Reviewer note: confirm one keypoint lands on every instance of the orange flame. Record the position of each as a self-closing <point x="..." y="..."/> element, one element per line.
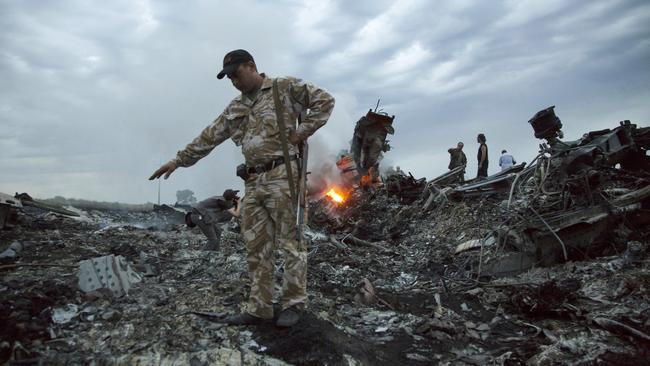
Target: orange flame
<point x="365" y="181"/>
<point x="335" y="196"/>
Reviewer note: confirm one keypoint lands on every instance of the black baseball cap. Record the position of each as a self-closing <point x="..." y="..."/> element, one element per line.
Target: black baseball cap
<point x="232" y="60"/>
<point x="230" y="194"/>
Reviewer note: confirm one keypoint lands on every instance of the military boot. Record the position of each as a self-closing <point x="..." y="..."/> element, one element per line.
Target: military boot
<point x="242" y="319"/>
<point x="289" y="317"/>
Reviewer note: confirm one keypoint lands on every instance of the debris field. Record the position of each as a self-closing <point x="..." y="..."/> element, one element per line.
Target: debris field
<point x="544" y="264"/>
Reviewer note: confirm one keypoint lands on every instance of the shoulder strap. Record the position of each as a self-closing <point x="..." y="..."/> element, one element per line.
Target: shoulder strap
<point x="279" y="116"/>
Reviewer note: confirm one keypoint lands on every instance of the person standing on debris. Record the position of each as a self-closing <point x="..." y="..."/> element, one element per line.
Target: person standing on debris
<point x="368" y="144"/>
<point x="210" y="213"/>
<point x="457" y="158"/>
<point x="252" y="120"/>
<point x="506" y="161"/>
<point x="482" y="157"/>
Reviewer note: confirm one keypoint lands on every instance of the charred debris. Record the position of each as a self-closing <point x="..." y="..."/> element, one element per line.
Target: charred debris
<point x="545" y="263"/>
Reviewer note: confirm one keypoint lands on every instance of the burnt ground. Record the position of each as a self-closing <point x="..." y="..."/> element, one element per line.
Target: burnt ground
<point x="429" y="304"/>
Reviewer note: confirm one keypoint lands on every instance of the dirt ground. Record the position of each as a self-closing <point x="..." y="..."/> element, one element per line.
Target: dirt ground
<point x="400" y="296"/>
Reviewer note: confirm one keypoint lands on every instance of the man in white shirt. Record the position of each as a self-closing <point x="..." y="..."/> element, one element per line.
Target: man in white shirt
<point x="506" y="160"/>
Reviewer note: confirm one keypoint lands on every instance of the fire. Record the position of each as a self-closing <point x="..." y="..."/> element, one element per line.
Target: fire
<point x="365" y="181"/>
<point x="335" y="196"/>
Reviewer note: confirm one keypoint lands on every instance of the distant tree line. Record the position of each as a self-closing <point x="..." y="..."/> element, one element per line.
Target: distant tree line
<point x="96" y="205"/>
<point x="185" y="197"/>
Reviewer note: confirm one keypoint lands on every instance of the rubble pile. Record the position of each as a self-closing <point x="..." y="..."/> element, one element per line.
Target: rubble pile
<point x="395" y="276"/>
<point x="405" y="187"/>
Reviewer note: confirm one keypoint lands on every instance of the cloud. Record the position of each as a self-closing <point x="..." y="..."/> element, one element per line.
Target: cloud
<point x="147" y="22"/>
<point x="96" y="96"/>
<point x="381" y="31"/>
<point x="376" y="34"/>
<point x="520" y="12"/>
<point x="405" y="60"/>
<point x="310" y="23"/>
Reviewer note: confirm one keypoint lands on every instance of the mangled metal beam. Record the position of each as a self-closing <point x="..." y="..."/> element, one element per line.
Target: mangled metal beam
<point x="497" y="183"/>
<point x="27" y="200"/>
<point x="448" y="178"/>
<point x="11" y="205"/>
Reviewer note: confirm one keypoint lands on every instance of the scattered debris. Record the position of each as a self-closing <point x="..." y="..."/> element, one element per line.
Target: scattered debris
<point x="405" y="187"/>
<point x="12" y="251"/>
<point x="542" y="264"/>
<point x="474" y="244"/>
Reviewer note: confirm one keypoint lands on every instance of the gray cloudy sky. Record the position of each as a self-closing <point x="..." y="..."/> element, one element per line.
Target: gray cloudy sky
<point x="96" y="94"/>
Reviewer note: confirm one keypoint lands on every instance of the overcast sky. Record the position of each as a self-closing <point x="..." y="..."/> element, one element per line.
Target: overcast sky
<point x="95" y="95"/>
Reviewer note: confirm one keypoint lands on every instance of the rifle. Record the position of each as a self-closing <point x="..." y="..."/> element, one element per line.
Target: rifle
<point x="300" y="200"/>
<point x="301" y="208"/>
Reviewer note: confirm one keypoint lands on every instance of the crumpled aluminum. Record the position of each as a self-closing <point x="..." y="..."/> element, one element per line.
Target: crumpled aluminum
<point x="111" y="272"/>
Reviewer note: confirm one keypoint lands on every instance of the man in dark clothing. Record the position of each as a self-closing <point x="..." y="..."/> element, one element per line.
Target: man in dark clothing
<point x="210" y="213"/>
<point x="457" y="158"/>
<point x="482" y="157"/>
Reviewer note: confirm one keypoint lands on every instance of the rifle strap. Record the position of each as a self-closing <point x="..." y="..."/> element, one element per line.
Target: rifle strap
<point x="279" y="116"/>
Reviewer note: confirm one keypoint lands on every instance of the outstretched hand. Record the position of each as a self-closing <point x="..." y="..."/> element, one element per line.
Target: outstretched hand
<point x="167" y="169"/>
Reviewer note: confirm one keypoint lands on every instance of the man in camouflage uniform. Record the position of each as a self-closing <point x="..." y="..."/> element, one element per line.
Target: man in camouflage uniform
<point x="268" y="212"/>
<point x="369" y="141"/>
<point x="457" y="158"/>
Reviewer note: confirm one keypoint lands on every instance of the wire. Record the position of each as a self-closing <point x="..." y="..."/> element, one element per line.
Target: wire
<point x="566" y="256"/>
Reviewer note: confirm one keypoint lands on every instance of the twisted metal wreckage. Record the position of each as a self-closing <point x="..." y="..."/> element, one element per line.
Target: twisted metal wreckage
<point x="568" y="202"/>
<point x="11" y="205"/>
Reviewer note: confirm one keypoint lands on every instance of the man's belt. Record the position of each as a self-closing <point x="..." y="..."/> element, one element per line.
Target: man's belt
<point x="265" y="167"/>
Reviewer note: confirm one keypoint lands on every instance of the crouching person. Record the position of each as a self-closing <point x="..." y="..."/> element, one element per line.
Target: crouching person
<point x="210" y="213"/>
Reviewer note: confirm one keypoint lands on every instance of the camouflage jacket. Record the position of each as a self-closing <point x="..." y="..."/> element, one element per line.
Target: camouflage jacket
<point x="458" y="158"/>
<point x="252" y="124"/>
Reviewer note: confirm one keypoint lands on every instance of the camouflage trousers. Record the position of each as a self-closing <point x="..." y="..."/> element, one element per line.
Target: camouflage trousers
<point x="370" y="152"/>
<point x="268" y="224"/>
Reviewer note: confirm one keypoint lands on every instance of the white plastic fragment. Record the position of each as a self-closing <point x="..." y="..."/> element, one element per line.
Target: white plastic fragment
<point x="109" y="272"/>
<point x="65" y="314"/>
<point x="12" y="251"/>
<point x="474" y="244"/>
